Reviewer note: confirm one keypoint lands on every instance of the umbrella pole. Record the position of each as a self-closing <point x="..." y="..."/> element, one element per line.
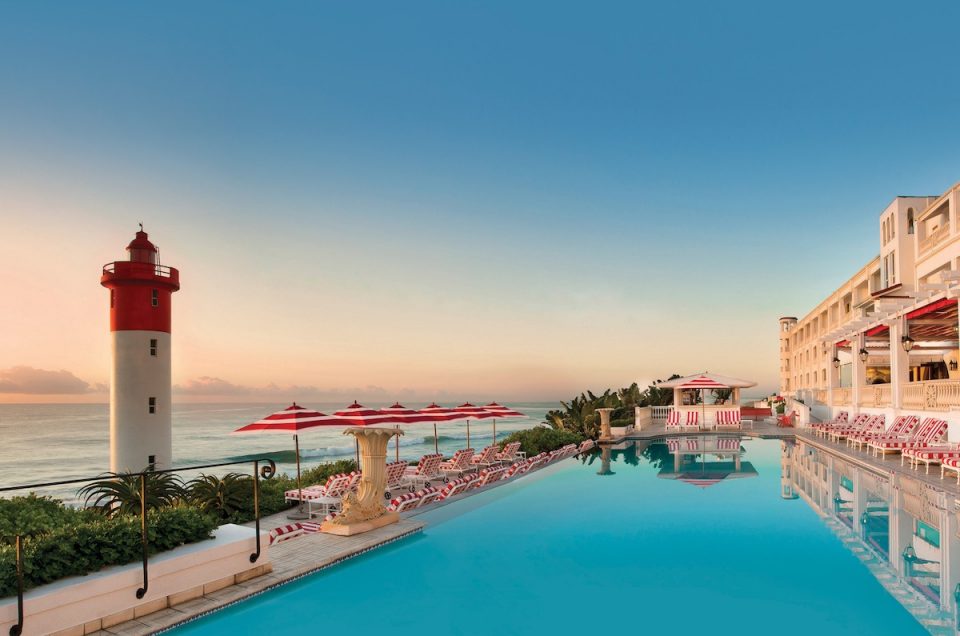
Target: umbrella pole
<point x="398" y="441"/>
<point x="356" y="444"/>
<point x="468" y="433"/>
<point x="436" y="442"/>
<point x="296" y="445"/>
<point x="494" y="431"/>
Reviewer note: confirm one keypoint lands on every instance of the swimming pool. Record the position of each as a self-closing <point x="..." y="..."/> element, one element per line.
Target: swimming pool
<point x="568" y="551"/>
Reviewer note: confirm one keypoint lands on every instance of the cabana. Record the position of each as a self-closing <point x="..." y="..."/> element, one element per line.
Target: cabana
<point x="690" y="399"/>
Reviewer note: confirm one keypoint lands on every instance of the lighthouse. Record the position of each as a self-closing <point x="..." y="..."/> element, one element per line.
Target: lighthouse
<point x="141" y="290"/>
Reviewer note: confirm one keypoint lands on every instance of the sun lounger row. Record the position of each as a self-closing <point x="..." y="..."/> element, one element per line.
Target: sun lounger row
<point x="690" y="420"/>
<point x="479" y="479"/>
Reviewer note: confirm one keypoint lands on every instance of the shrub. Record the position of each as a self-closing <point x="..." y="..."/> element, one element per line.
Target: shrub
<point x="223" y="496"/>
<point x="33" y="515"/>
<point x="100" y="542"/>
<point x="534" y="441"/>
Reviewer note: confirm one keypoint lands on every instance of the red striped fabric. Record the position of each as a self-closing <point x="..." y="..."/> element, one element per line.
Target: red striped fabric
<point x="290" y="420"/>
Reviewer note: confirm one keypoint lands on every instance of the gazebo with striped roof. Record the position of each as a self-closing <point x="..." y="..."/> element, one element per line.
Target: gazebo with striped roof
<point x="685" y="391"/>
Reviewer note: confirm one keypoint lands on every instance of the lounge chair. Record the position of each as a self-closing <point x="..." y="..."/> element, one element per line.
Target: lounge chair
<point x="394" y="477"/>
<point x="459" y="463"/>
<point x="950" y="463"/>
<point x="457" y="486"/>
<point x="692" y="421"/>
<point x="509" y="453"/>
<point x="673" y="421"/>
<point x="420" y="475"/>
<point x="333" y="491"/>
<point x="585" y="445"/>
<point x="842" y="418"/>
<point x="824" y="427"/>
<point x="930" y="455"/>
<point x="487" y="457"/>
<point x="728" y="419"/>
<point x="335" y="486"/>
<point x="411" y="500"/>
<point x="928" y="434"/>
<point x="902" y="425"/>
<point x="490" y="475"/>
<point x="875" y="424"/>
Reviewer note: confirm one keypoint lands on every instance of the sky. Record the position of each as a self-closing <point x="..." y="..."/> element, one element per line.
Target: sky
<point x="469" y="200"/>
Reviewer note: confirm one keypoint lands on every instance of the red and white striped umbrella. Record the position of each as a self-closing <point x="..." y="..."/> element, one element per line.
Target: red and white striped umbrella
<point x="292" y="419"/>
<point x="471" y="411"/>
<point x="439" y="414"/>
<point x="408" y="416"/>
<point x="358" y="415"/>
<point x="501" y="412"/>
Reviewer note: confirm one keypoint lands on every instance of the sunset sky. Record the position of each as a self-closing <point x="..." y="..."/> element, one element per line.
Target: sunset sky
<point x="436" y="200"/>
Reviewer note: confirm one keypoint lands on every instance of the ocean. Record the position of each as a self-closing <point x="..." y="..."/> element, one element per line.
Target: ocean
<point x="52" y="442"/>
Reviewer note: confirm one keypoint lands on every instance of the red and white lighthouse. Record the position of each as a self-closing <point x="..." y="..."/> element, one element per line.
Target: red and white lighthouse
<point x="141" y="291"/>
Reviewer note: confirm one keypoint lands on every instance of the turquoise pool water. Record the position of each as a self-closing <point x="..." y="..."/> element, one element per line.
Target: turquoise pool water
<point x="570" y="551"/>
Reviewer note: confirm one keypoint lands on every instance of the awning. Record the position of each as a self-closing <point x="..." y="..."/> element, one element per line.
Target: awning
<point x="707" y="381"/>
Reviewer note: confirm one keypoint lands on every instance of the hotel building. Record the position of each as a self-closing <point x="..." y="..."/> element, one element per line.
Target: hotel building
<point x="887" y="339"/>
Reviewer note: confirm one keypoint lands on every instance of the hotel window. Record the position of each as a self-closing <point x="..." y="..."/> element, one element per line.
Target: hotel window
<point x="155" y="298"/>
<point x="909" y="220"/>
<point x="153" y="346"/>
<point x="152" y="405"/>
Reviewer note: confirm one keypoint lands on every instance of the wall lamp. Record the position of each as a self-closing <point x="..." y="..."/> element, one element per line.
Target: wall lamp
<point x="863" y="355"/>
<point x="836" y="362"/>
<point x="907" y="343"/>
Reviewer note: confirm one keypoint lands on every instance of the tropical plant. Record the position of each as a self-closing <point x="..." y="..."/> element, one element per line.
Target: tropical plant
<point x="721" y="396"/>
<point x="222" y="496"/>
<point x="580" y="416"/>
<point x="120" y="494"/>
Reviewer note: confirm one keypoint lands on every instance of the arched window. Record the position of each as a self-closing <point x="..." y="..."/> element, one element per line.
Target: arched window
<point x="909" y="220"/>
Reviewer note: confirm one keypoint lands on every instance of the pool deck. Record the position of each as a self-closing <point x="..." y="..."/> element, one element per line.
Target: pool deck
<point x="290" y="559"/>
<point x="888" y="466"/>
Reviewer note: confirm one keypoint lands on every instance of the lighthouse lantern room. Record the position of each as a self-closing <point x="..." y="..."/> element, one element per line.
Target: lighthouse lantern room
<point x="140" y="421"/>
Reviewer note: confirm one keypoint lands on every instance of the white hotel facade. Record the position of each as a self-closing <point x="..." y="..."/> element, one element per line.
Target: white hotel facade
<point x="886" y="341"/>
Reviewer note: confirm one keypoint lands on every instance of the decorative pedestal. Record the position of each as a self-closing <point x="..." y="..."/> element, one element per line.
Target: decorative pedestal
<point x="364" y="511"/>
<point x="605" y="434"/>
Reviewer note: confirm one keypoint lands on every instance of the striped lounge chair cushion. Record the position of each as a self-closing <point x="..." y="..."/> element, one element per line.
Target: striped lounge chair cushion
<point x="932" y="453"/>
<point x="283" y="533"/>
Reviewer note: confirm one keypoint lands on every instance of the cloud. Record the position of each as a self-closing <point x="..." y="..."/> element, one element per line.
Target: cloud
<point x="206" y="385"/>
<point x="211" y="386"/>
<point x="28" y="380"/>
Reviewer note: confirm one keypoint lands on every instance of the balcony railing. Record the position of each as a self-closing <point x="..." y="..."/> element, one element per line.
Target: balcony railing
<point x="932" y="395"/>
<point x="842" y="396"/>
<point x="164" y="271"/>
<point x="820" y="395"/>
<point x="877" y="395"/>
<point x="934" y="238"/>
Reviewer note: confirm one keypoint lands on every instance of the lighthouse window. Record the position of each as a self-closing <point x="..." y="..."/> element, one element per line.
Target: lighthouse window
<point x="153" y="346"/>
<point x="155" y="299"/>
<point x="152" y="405"/>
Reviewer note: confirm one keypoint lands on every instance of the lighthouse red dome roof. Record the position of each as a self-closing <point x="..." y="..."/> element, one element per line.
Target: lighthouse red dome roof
<point x="141" y="242"/>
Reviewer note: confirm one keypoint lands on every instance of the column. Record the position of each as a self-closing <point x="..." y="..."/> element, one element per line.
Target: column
<point x="899" y="364"/>
<point x="859" y="374"/>
<point x="833" y="373"/>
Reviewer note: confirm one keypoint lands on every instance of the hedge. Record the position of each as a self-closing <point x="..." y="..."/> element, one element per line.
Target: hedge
<point x="99" y="542"/>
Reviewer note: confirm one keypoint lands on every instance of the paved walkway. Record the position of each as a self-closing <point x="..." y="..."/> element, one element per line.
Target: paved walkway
<point x="290" y="559"/>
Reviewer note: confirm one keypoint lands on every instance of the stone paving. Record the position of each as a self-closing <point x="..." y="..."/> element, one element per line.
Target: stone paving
<point x="290" y="560"/>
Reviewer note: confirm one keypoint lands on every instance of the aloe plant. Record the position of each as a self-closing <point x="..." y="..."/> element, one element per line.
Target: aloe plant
<point x="120" y="494"/>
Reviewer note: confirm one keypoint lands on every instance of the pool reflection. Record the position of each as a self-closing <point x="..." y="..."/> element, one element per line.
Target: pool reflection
<point x="903" y="529"/>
